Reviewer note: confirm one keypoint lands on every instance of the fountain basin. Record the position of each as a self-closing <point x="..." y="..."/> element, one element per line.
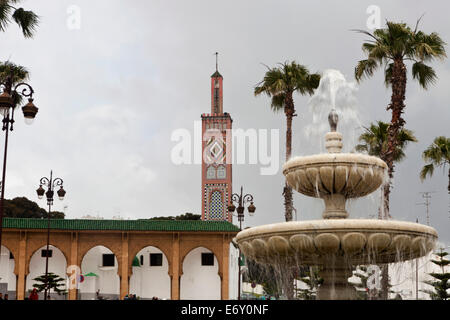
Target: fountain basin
<point x="335" y="177"/>
<point x="358" y="241"/>
<point x="352" y="175"/>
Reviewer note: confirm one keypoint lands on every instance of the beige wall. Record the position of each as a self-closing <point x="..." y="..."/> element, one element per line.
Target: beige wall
<point x="125" y="245"/>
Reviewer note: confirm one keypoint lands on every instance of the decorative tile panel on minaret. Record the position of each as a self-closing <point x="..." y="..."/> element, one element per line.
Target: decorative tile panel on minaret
<point x="216" y="156"/>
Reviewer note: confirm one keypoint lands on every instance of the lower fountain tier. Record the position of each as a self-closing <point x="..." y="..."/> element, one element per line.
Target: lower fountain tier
<point x="315" y="242"/>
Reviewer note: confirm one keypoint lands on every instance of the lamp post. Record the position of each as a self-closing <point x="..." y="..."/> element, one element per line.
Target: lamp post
<point x="241" y="200"/>
<point x="50" y="184"/>
<point x="8" y="103"/>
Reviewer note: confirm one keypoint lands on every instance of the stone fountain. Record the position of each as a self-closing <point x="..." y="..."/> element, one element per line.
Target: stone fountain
<point x="335" y="243"/>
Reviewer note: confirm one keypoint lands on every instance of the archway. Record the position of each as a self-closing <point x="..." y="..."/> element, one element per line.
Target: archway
<point x="7" y="276"/>
<point x="57" y="264"/>
<point x="200" y="279"/>
<point x="150" y="276"/>
<point x="99" y="268"/>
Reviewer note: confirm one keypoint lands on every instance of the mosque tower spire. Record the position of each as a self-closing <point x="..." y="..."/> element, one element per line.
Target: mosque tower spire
<point x="216" y="151"/>
<point x="216" y="90"/>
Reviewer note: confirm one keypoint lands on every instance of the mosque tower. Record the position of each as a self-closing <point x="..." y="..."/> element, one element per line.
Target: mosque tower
<point x="216" y="155"/>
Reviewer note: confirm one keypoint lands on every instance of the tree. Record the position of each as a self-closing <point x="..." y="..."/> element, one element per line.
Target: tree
<point x="391" y="47"/>
<point x="438" y="155"/>
<point x="18" y="74"/>
<point x="21" y="207"/>
<point x="279" y="84"/>
<point x="374" y="141"/>
<point x="54" y="282"/>
<point x="362" y="289"/>
<point x="309" y="276"/>
<point x="26" y="20"/>
<point x="186" y="216"/>
<point x="441" y="284"/>
<point x="262" y="274"/>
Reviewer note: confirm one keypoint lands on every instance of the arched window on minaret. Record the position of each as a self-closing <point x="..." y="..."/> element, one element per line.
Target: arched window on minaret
<point x="216" y="96"/>
<point x="221" y="172"/>
<point x="211" y="172"/>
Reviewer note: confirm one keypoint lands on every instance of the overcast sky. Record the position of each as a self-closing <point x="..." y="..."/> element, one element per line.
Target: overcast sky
<point x="111" y="93"/>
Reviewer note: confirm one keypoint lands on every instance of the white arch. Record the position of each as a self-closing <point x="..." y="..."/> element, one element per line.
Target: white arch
<point x="106" y="282"/>
<point x="57" y="264"/>
<point x="7" y="276"/>
<point x="199" y="282"/>
<point x="148" y="281"/>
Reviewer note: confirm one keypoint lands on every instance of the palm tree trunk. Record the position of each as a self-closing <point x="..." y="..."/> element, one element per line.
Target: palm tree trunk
<point x="384" y="282"/>
<point x="289" y="111"/>
<point x="397" y="105"/>
<point x="288" y="284"/>
<point x="386" y="194"/>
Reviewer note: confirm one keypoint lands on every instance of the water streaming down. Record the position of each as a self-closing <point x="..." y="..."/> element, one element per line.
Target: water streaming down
<point x="335" y="244"/>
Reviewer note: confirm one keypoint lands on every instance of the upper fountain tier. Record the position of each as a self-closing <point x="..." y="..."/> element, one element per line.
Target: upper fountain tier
<point x="335" y="176"/>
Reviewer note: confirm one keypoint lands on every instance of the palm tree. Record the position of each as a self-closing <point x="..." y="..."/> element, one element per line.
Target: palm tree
<point x="374" y="141"/>
<point x="17" y="73"/>
<point x="438" y="155"/>
<point x="26" y="20"/>
<point x="390" y="48"/>
<point x="279" y="84"/>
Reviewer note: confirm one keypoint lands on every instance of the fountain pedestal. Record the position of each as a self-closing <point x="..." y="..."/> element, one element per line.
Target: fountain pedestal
<point x="335" y="284"/>
<point x="334" y="206"/>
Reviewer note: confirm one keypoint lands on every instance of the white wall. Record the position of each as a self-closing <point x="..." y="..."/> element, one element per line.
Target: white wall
<point x="7" y="270"/>
<point x="247" y="288"/>
<point x="57" y="264"/>
<point x="108" y="281"/>
<point x="403" y="276"/>
<point x="199" y="282"/>
<point x="150" y="281"/>
<point x="233" y="272"/>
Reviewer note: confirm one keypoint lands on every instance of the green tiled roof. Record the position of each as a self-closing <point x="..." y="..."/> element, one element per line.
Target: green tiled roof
<point x="122" y="225"/>
<point x="216" y="75"/>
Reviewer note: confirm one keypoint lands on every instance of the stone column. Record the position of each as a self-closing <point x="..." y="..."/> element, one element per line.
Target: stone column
<point x="225" y="268"/>
<point x="124" y="276"/>
<point x="22" y="266"/>
<point x="73" y="262"/>
<point x="175" y="274"/>
<point x="335" y="284"/>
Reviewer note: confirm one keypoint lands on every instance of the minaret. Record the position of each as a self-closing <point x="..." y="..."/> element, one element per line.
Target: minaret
<point x="216" y="150"/>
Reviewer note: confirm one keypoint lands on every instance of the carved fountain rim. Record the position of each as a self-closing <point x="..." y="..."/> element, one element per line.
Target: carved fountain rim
<point x="337" y="226"/>
<point x="332" y="160"/>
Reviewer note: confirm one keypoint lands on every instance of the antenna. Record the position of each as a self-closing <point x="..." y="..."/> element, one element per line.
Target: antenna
<point x="217" y="60"/>
<point x="427" y="196"/>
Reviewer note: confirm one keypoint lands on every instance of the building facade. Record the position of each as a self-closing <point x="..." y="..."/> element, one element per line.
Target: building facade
<point x="149" y="258"/>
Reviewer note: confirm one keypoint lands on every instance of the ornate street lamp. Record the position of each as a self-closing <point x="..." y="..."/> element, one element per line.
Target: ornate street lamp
<point x="50" y="184"/>
<point x="7" y="108"/>
<point x="241" y="200"/>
